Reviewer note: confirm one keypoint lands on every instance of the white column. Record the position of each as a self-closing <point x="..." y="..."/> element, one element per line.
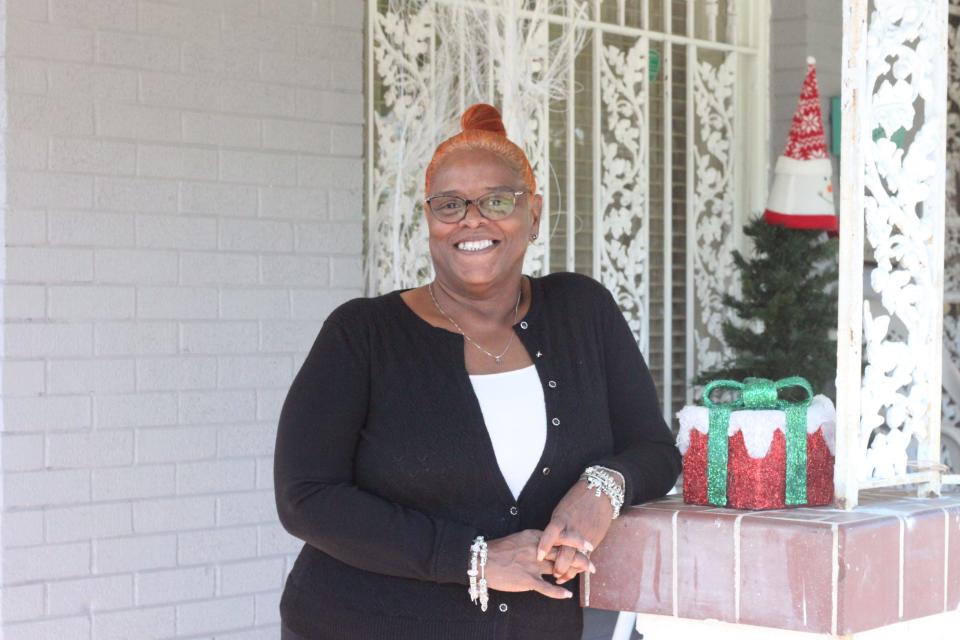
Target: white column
<point x="850" y="312"/>
<point x="892" y="193"/>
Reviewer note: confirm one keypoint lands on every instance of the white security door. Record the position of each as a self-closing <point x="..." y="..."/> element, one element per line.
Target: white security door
<point x="645" y="122"/>
<point x="950" y="446"/>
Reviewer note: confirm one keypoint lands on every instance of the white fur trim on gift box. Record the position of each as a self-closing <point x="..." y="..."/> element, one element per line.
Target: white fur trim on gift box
<point x="758" y="425"/>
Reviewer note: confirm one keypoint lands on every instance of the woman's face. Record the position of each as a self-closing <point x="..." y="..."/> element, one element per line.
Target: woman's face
<point x="471" y="174"/>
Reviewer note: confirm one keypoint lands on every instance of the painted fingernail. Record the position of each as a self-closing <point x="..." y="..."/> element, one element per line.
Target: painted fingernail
<point x="540" y="555"/>
<point x="593" y="568"/>
<point x="567" y="594"/>
<point x="588" y="546"/>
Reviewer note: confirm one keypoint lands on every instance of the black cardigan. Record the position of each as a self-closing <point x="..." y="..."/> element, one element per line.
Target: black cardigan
<point x="383" y="465"/>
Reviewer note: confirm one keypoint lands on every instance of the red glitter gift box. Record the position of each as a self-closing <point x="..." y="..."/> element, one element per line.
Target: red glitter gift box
<point x="756" y="468"/>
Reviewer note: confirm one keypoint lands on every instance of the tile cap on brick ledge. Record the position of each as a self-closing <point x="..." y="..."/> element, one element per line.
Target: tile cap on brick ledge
<point x="895" y="557"/>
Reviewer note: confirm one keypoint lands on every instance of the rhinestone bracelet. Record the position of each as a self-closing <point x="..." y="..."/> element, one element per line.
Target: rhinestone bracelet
<point x="478" y="565"/>
<point x="602" y="479"/>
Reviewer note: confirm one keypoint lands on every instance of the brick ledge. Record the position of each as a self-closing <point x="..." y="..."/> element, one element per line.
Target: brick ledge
<point x="821" y="570"/>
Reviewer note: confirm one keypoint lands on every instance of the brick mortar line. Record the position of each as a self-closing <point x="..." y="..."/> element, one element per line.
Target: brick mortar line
<point x="180" y="74"/>
<point x="262" y="148"/>
<point x="946" y="555"/>
<point x="53" y="173"/>
<point x="736" y="568"/>
<point x="675" y="563"/>
<point x="834" y="577"/>
<point x="266" y="149"/>
<point x="901" y="521"/>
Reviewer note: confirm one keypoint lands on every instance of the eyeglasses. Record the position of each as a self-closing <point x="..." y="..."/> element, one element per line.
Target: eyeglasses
<point x="496" y="205"/>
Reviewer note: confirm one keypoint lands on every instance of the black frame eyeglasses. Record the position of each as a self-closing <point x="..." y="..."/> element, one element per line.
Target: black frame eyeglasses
<point x="495" y="205"/>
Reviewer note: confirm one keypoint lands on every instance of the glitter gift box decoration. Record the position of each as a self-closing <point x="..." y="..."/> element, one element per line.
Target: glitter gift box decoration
<point x="758" y="451"/>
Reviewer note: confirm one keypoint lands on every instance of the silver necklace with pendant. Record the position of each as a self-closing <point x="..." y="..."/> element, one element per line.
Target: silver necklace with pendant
<point x="497" y="358"/>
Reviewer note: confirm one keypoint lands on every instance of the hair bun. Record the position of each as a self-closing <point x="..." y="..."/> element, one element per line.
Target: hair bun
<point x="484" y="117"/>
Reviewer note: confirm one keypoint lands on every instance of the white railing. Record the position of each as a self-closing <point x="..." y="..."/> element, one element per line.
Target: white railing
<point x="894" y="77"/>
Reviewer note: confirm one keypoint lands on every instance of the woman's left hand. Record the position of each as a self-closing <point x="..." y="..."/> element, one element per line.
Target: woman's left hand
<point x="581" y="514"/>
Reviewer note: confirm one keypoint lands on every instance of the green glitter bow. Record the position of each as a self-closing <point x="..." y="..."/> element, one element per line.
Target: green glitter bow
<point x="757" y="393"/>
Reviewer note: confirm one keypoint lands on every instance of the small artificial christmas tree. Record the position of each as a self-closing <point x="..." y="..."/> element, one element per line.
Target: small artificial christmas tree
<point x="789" y="303"/>
<point x="788" y="308"/>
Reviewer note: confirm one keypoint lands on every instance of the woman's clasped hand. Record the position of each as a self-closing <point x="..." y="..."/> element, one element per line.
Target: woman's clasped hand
<point x="513" y="563"/>
<point x="580" y="517"/>
<point x="578" y="525"/>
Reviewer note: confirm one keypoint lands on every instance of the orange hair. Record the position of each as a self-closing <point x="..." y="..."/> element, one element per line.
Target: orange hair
<point x="482" y="128"/>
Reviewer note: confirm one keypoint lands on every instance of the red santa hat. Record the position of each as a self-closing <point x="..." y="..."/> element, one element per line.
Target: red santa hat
<point x="802" y="193"/>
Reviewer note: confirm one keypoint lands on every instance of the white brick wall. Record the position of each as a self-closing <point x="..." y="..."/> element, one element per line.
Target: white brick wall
<point x="183" y="208"/>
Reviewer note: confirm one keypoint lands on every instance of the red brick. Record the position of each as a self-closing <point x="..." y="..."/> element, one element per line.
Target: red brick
<point x="923" y="564"/>
<point x="786" y="574"/>
<point x="705" y="564"/>
<point x="868" y="588"/>
<point x="953" y="559"/>
<point x="637" y="573"/>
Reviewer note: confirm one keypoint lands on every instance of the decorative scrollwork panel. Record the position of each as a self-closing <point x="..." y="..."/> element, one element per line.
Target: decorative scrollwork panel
<point x="950" y="404"/>
<point x="713" y="94"/>
<point x="402" y="42"/>
<point x="623" y="242"/>
<point x="431" y="58"/>
<point x="526" y="65"/>
<point x="903" y="175"/>
<point x="951" y="276"/>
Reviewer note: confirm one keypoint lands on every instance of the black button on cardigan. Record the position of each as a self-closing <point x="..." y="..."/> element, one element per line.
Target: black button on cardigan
<point x="384" y="468"/>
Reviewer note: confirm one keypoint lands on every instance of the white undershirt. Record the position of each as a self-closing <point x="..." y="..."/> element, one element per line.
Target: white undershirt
<point x="516" y="418"/>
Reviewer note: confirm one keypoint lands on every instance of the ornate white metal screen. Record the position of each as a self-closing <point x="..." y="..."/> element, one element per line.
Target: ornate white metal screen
<point x="950" y="447"/>
<point x="894" y="78"/>
<point x="711" y="216"/>
<point x="952" y="243"/>
<point x="630" y="113"/>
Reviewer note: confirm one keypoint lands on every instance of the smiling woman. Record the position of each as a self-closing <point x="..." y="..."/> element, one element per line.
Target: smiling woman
<point x="470" y="440"/>
<point x="483" y="209"/>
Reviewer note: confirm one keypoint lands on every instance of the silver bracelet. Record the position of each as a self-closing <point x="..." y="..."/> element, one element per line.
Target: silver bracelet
<point x="602" y="480"/>
<point x="478" y="565"/>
